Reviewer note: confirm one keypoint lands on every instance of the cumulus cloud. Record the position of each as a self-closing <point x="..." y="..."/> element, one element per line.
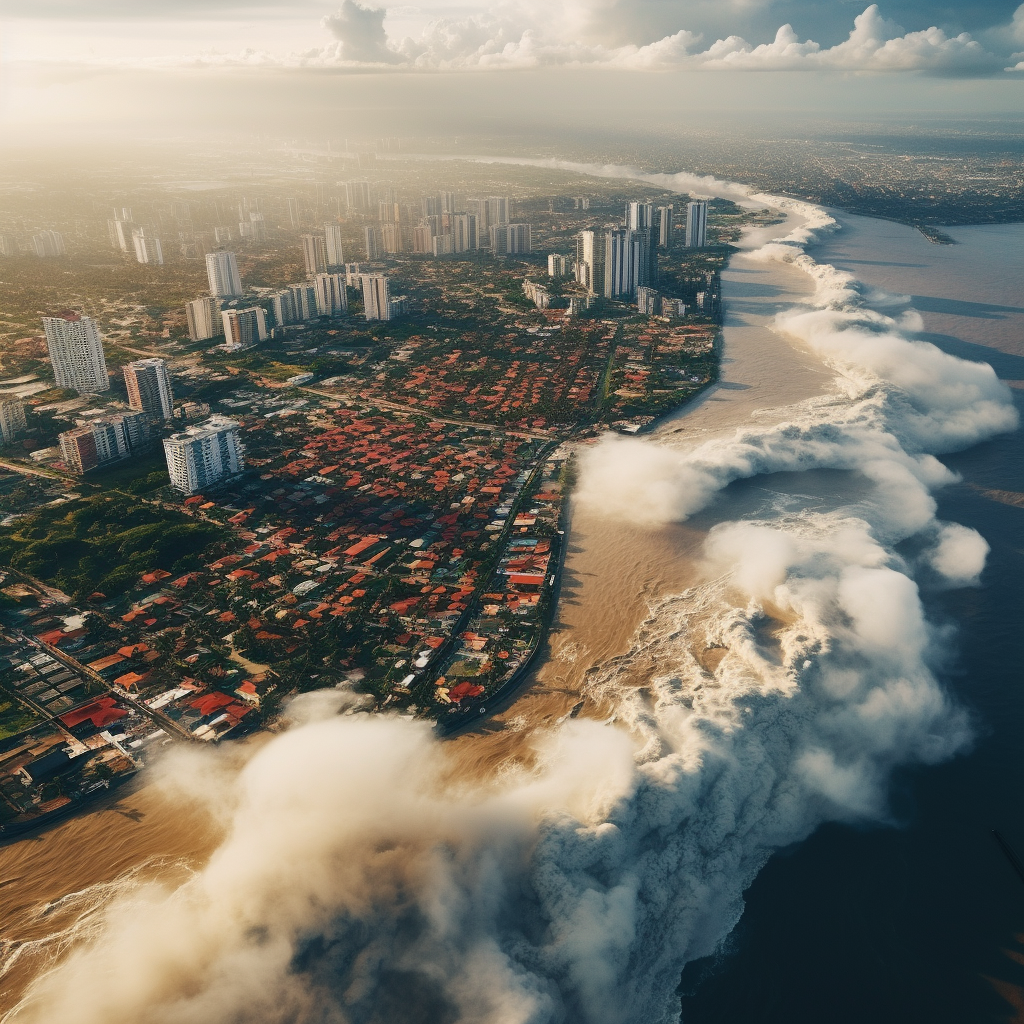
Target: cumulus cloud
<point x="360" y="34"/>
<point x="958" y="555"/>
<point x="521" y="38"/>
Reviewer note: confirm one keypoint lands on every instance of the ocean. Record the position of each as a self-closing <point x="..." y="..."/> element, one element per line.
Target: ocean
<point x="922" y="919"/>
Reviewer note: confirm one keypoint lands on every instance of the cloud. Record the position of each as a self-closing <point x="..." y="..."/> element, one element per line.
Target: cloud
<point x="519" y="40"/>
<point x="360" y="34"/>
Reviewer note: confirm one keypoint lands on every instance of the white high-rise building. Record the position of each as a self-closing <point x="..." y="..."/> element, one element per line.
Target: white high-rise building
<point x="49" y="243"/>
<point x="76" y="353"/>
<point x="244" y="328"/>
<point x="335" y="252"/>
<point x="465" y="235"/>
<point x="696" y="225"/>
<point x="147" y="248"/>
<point x="149" y="387"/>
<point x="376" y="297"/>
<point x="203" y="454"/>
<point x="314" y="254"/>
<point x="9" y="245"/>
<point x="590" y="253"/>
<point x="331" y="294"/>
<point x="558" y="265"/>
<point x="294" y="305"/>
<point x="222" y="273"/>
<point x="627" y="263"/>
<point x="666" y="227"/>
<point x="12" y="419"/>
<point x="648" y="301"/>
<point x="639" y="216"/>
<point x="479" y="208"/>
<point x="204" y="321"/>
<point x="357" y="196"/>
<point x="104" y="440"/>
<point x="520" y="239"/>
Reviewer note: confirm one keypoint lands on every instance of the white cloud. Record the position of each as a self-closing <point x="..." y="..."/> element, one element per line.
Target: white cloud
<point x="520" y="39"/>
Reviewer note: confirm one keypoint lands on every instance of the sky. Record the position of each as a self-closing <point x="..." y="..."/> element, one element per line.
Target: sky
<point x="79" y="61"/>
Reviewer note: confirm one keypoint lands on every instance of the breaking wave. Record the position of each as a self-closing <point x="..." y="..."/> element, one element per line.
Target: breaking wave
<point x="367" y="875"/>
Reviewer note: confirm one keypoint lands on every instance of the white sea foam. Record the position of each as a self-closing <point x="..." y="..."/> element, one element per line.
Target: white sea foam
<point x="363" y="880"/>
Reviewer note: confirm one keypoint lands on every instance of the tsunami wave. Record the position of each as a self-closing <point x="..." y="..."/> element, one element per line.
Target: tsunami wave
<point x="366" y="875"/>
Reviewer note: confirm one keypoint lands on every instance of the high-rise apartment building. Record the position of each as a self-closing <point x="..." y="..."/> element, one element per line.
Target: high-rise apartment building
<point x="76" y="353"/>
<point x="147" y="248"/>
<point x="222" y="273"/>
<point x="590" y="254"/>
<point x="479" y="208"/>
<point x="449" y="202"/>
<point x="331" y="294"/>
<point x="696" y="225"/>
<point x="558" y="265"/>
<point x="294" y="305"/>
<point x="9" y="245"/>
<point x="357" y="196"/>
<point x="222" y="235"/>
<point x="244" y="328"/>
<point x="648" y="301"/>
<point x="465" y="236"/>
<point x="314" y="254"/>
<point x="48" y="244"/>
<point x="293" y="213"/>
<point x="666" y="227"/>
<point x="423" y="238"/>
<point x="203" y="454"/>
<point x="627" y="263"/>
<point x="12" y="419"/>
<point x="371" y="240"/>
<point x="105" y="440"/>
<point x="510" y="239"/>
<point x="376" y="297"/>
<point x="388" y="212"/>
<point x="639" y="216"/>
<point x="498" y="208"/>
<point x="391" y="237"/>
<point x="149" y="388"/>
<point x="335" y="251"/>
<point x="613" y="262"/>
<point x="204" y="320"/>
<point x="442" y="245"/>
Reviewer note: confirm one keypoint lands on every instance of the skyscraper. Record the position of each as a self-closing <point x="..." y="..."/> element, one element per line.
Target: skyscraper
<point x="479" y="208"/>
<point x="696" y="224"/>
<point x="391" y="237"/>
<point x="12" y="419"/>
<point x="464" y="232"/>
<point x="294" y="305"/>
<point x="147" y="248"/>
<point x="203" y="454"/>
<point x="498" y="210"/>
<point x="666" y="227"/>
<point x="422" y="238"/>
<point x="103" y="440"/>
<point x="76" y="353"/>
<point x="222" y="273"/>
<point x="558" y="265"/>
<point x="357" y="196"/>
<point x="376" y="297"/>
<point x="331" y="294"/>
<point x="639" y="216"/>
<point x="335" y="253"/>
<point x="48" y="244"/>
<point x="293" y="212"/>
<point x="203" y="315"/>
<point x="371" y="239"/>
<point x="590" y="260"/>
<point x="149" y="387"/>
<point x="244" y="328"/>
<point x="314" y="254"/>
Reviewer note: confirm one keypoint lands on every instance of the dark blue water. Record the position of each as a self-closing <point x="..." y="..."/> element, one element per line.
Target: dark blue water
<point x="923" y="920"/>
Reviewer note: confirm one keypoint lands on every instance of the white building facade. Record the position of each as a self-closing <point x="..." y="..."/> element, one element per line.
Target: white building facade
<point x="76" y="353"/>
